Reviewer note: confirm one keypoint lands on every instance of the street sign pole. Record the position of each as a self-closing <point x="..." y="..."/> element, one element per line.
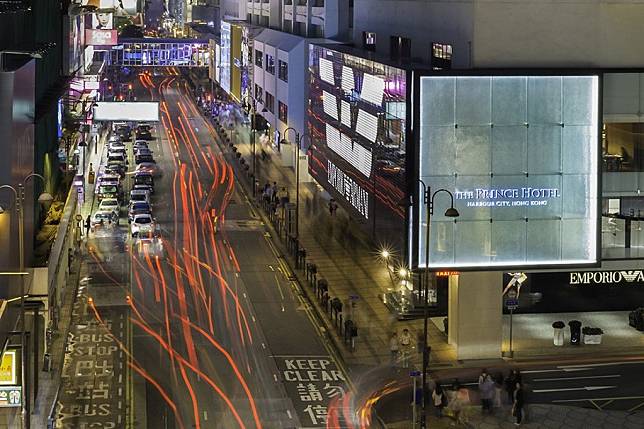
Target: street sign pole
<point x="511" y="303"/>
<point x="414" y="397"/>
<point x="511" y="353"/>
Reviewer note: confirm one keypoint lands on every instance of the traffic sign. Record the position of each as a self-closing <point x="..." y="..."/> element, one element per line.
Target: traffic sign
<point x="414" y="373"/>
<point x="512" y="303"/>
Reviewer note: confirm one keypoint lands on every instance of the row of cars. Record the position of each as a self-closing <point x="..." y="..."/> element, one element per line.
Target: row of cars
<point x="109" y="186"/>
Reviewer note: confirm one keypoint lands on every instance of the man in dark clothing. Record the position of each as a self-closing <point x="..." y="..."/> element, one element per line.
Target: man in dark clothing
<point x="88" y="225"/>
<point x="517" y="406"/>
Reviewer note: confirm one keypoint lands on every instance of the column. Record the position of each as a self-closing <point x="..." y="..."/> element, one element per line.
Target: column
<point x="475" y="314"/>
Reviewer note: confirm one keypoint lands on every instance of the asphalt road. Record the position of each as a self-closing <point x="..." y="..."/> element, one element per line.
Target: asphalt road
<point x="215" y="333"/>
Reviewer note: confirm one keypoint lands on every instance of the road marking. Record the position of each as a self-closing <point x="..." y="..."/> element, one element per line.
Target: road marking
<point x="275" y="377"/>
<point x="280" y="289"/>
<point x="599" y="399"/>
<point x="288" y="413"/>
<point x="570" y="389"/>
<point x="205" y="415"/>
<point x="264" y="346"/>
<point x="593" y="365"/>
<point x="577" y="378"/>
<point x="539" y="371"/>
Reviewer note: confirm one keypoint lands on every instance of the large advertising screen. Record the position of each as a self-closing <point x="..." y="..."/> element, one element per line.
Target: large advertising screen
<point x="520" y="156"/>
<point x="224" y="66"/>
<point x="101" y="37"/>
<point x="126" y="111"/>
<point x="357" y="116"/>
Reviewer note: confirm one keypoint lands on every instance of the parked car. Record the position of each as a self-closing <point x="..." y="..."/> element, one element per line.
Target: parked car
<point x="110" y="204"/>
<point x="138" y="196"/>
<point x="138" y="159"/>
<point x="103" y="219"/>
<point x="141" y="187"/>
<point x="107" y="191"/>
<point x="137" y="209"/>
<point x="143" y="178"/>
<point x="143" y="224"/>
<point x="116" y="157"/>
<point x="148" y="167"/>
<point x="142" y="150"/>
<point x="143" y="135"/>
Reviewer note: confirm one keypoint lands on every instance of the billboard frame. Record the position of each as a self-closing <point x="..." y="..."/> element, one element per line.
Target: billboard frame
<point x="413" y="128"/>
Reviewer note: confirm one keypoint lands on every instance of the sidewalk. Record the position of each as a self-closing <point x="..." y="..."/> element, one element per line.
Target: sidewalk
<point x="347" y="259"/>
<point x="50" y="382"/>
<point x="538" y="416"/>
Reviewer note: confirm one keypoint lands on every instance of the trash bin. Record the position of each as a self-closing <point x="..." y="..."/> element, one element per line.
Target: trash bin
<point x="575" y="332"/>
<point x="558" y="338"/>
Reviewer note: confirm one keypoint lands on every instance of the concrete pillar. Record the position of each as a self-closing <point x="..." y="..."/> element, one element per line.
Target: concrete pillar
<point x="475" y="314"/>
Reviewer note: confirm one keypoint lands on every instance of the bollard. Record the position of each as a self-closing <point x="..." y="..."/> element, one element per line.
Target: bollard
<point x="348" y="326"/>
<point x="302" y="256"/>
<point x="325" y="300"/>
<point x="323" y="286"/>
<point x="354" y="334"/>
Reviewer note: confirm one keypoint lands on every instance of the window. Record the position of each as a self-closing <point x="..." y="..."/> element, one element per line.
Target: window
<point x="282" y="71"/>
<point x="258" y="58"/>
<point x="283" y="112"/>
<point x="270" y="102"/>
<point x="270" y="64"/>
<point x="258" y="93"/>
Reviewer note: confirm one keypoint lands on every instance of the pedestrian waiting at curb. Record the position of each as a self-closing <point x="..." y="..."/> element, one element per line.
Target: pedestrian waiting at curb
<point x="510" y="384"/>
<point x="517" y="405"/>
<point x="439" y="399"/>
<point x="394" y="348"/>
<point x="405" y="343"/>
<point x="486" y="390"/>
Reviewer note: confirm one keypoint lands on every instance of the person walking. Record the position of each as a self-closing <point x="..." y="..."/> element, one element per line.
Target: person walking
<point x="517" y="405"/>
<point x="394" y="347"/>
<point x="510" y="384"/>
<point x="88" y="225"/>
<point x="405" y="343"/>
<point x="283" y="197"/>
<point x="274" y="191"/>
<point x="438" y="399"/>
<point x="497" y="402"/>
<point x="486" y="389"/>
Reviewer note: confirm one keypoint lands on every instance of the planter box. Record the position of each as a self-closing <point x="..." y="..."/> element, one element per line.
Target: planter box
<point x="592" y="339"/>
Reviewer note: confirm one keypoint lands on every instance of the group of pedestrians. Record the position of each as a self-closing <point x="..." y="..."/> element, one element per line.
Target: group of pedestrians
<point x="491" y="392"/>
<point x="275" y="196"/>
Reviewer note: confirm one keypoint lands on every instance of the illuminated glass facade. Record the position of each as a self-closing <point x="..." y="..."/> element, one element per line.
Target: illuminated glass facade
<point x="357" y="120"/>
<point x="161" y="52"/>
<point x="520" y="155"/>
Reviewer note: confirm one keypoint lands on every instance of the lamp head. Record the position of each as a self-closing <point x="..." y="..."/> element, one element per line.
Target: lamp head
<point x="45" y="198"/>
<point x="283" y="141"/>
<point x="452" y="212"/>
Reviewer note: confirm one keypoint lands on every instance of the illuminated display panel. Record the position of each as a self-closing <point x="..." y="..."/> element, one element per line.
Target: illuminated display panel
<point x="126" y="111"/>
<point x="224" y="67"/>
<point x="358" y="150"/>
<point x="520" y="155"/>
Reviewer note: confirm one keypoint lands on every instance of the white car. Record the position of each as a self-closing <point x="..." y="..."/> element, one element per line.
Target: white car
<point x="103" y="219"/>
<point x="110" y="204"/>
<point x="143" y="226"/>
<point x="139" y="196"/>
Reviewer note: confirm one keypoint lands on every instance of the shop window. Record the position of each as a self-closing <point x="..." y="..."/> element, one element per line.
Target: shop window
<point x="282" y="71"/>
<point x="270" y="102"/>
<point x="258" y="93"/>
<point x="283" y="112"/>
<point x="270" y="64"/>
<point x="258" y="58"/>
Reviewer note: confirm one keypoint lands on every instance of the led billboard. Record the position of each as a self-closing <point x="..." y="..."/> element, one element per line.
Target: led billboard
<point x="126" y="111"/>
<point x="358" y="151"/>
<point x="101" y="37"/>
<point x="520" y="156"/>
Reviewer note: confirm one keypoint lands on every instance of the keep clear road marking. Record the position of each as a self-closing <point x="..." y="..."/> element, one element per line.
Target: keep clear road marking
<point x="570" y="389"/>
<point x="576" y="378"/>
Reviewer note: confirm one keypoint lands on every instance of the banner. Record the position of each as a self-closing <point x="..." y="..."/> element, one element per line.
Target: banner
<point x="101" y="37"/>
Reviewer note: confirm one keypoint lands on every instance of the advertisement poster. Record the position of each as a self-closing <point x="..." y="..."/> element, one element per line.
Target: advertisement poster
<point x="8" y="368"/>
<point x="103" y="21"/>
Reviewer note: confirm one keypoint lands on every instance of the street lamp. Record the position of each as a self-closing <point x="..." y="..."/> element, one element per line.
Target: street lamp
<point x="253" y="110"/>
<point x="298" y="141"/>
<point x="19" y="196"/>
<point x="428" y="200"/>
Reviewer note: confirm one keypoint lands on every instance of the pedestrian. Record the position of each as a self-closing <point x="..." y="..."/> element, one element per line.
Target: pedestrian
<point x="438" y="399"/>
<point x="510" y="384"/>
<point x="274" y="191"/>
<point x="88" y="225"/>
<point x="405" y="343"/>
<point x="486" y="389"/>
<point x="517" y="405"/>
<point x="394" y="347"/>
<point x="498" y="392"/>
<point x="333" y="206"/>
<point x="283" y="197"/>
<point x="481" y="380"/>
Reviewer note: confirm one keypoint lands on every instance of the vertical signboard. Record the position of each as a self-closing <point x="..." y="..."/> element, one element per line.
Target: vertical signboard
<point x="520" y="155"/>
<point x="224" y="66"/>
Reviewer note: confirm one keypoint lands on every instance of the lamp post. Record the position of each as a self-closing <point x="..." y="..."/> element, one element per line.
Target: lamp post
<point x="19" y="196"/>
<point x="298" y="141"/>
<point x="253" y="111"/>
<point x="428" y="200"/>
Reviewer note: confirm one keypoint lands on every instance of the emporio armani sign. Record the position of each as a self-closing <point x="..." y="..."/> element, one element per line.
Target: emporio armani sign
<point x="607" y="277"/>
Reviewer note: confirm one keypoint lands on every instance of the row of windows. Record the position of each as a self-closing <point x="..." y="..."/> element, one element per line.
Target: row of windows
<point x="282" y="66"/>
<point x="269" y="103"/>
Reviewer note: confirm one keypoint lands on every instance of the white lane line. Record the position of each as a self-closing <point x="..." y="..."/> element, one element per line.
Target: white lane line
<point x="275" y="377"/>
<point x="264" y="346"/>
<point x="598" y="399"/>
<point x="288" y="413"/>
<point x="577" y="378"/>
<point x="539" y="371"/>
<point x="571" y="389"/>
<point x="594" y="365"/>
<point x="205" y="415"/>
